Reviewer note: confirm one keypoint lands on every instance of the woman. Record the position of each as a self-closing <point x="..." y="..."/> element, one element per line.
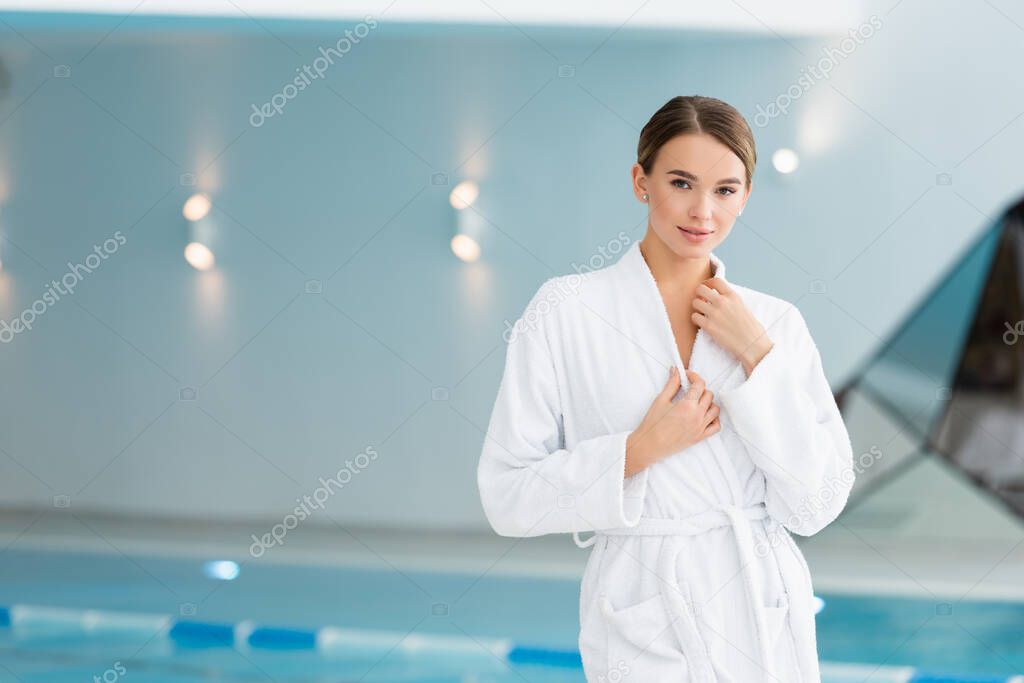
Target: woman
<point x="692" y="486"/>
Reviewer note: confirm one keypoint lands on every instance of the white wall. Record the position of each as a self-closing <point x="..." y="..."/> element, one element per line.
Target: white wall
<point x="338" y="188"/>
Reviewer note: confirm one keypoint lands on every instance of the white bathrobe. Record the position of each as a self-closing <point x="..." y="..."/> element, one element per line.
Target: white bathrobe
<point x="693" y="575"/>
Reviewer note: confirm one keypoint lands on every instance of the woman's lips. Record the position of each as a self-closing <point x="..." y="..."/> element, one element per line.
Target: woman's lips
<point x="695" y="234"/>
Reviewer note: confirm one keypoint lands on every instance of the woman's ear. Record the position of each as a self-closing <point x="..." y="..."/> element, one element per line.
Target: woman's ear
<point x="746" y="197"/>
<point x="639" y="181"/>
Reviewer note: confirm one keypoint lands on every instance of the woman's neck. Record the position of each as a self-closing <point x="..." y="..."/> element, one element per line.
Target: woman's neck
<point x="671" y="271"/>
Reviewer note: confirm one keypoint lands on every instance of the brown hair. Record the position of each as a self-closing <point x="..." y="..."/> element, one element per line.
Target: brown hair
<point x="697" y="114"/>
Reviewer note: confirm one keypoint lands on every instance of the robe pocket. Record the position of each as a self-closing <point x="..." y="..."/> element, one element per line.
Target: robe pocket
<point x="776" y="616"/>
<point x="642" y="641"/>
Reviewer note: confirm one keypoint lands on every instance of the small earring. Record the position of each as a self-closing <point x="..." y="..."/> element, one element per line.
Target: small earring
<point x="645" y="197"/>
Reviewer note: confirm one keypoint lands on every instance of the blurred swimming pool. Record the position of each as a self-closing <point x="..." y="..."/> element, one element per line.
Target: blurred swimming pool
<point x="73" y="617"/>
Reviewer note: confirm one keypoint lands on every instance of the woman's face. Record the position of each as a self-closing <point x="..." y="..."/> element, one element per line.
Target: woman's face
<point x="696" y="184"/>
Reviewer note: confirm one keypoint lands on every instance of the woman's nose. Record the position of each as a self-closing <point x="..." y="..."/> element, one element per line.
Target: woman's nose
<point x="701" y="208"/>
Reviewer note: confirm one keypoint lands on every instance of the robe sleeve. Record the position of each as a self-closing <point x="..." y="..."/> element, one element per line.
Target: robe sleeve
<point x="788" y="418"/>
<point x="530" y="483"/>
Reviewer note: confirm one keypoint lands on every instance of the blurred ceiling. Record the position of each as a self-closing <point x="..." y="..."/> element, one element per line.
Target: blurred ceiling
<point x="779" y="17"/>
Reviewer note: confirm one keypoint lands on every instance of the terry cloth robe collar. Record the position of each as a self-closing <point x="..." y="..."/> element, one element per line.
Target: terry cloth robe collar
<point x="712" y="362"/>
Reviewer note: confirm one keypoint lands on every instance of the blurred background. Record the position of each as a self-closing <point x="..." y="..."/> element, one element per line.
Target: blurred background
<point x="256" y="263"/>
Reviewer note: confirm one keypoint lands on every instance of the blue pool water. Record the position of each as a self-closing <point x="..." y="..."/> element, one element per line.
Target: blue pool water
<point x="472" y="612"/>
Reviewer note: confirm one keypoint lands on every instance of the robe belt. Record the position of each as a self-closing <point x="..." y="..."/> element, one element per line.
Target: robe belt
<point x="676" y="605"/>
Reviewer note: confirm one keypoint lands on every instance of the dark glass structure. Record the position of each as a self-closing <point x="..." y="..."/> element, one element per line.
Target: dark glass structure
<point x="953" y="374"/>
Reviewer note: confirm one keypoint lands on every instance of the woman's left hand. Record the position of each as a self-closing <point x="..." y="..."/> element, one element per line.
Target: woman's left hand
<point x="720" y="312"/>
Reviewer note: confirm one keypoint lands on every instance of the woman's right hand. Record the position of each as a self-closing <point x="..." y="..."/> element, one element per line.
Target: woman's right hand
<point x="669" y="427"/>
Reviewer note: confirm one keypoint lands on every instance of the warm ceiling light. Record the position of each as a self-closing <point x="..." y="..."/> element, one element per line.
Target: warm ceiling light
<point x="785" y="160"/>
<point x="199" y="256"/>
<point x="466" y="248"/>
<point x="464" y="194"/>
<point x="197" y="206"/>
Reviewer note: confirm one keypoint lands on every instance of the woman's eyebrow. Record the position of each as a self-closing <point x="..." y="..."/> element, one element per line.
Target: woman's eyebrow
<point x="695" y="179"/>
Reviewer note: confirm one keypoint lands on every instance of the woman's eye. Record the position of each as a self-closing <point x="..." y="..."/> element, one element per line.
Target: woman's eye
<point x="728" y="190"/>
